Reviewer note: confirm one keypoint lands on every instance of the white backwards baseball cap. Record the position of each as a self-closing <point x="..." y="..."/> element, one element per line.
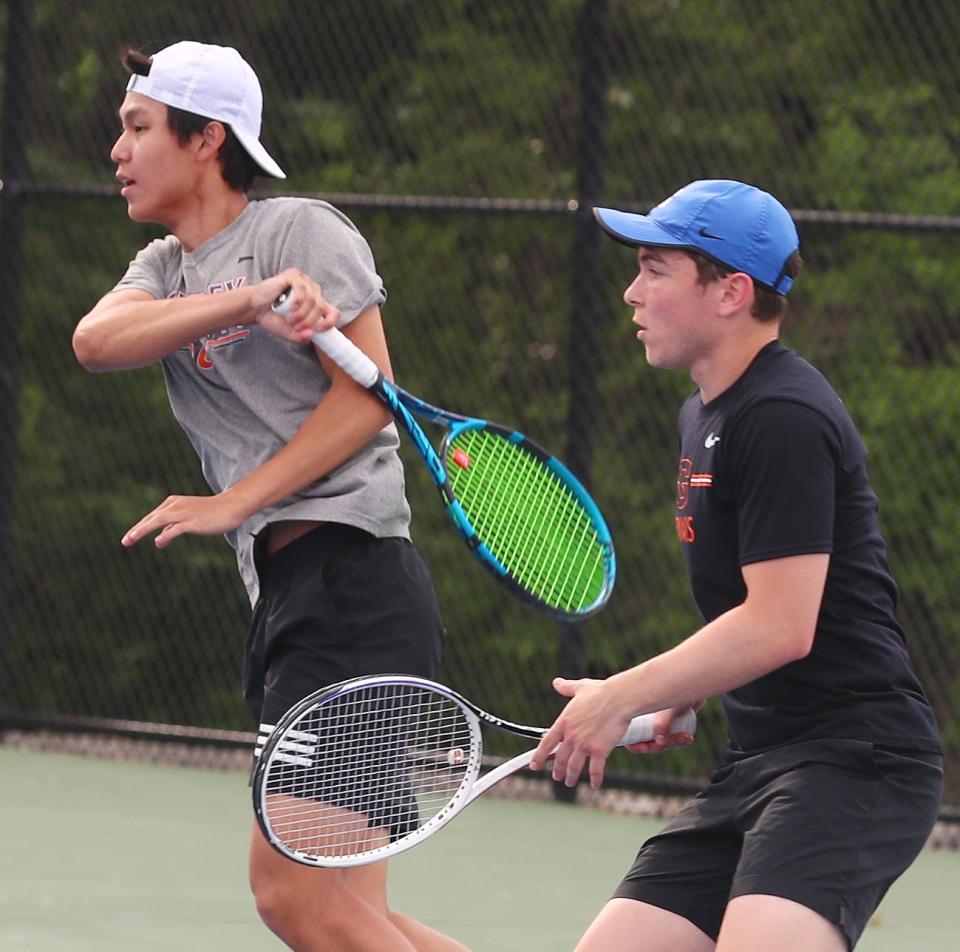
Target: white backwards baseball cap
<point x="211" y="81"/>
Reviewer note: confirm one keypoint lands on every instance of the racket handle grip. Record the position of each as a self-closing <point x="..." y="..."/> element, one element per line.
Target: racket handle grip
<point x="640" y="729"/>
<point x="339" y="348"/>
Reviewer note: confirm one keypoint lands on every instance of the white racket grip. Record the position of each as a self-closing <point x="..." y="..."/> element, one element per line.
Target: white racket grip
<point x="340" y="349"/>
<point x="344" y="352"/>
<point x="640" y="729"/>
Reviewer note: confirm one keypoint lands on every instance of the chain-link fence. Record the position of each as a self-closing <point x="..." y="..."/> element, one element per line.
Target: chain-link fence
<point x="468" y="139"/>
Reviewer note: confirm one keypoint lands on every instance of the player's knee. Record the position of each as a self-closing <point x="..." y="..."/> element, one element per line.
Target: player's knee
<point x="273" y="903"/>
<point x="292" y="915"/>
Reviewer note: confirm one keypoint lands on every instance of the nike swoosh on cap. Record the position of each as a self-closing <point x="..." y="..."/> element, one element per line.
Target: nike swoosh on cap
<point x="706" y="234"/>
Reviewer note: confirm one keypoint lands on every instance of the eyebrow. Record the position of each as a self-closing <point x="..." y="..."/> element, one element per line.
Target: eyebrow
<point x="134" y="112"/>
<point x="646" y="254"/>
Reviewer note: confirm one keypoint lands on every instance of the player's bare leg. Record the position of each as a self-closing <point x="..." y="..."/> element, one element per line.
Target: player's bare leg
<point x="371" y="881"/>
<point x="423" y="937"/>
<point x="626" y="925"/>
<point x="331" y="910"/>
<point x="760" y="923"/>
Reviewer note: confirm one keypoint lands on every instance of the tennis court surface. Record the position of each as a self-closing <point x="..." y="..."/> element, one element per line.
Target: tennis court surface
<point x="104" y="856"/>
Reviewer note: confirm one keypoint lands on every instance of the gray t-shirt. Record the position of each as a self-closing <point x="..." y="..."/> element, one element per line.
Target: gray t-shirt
<point x="241" y="394"/>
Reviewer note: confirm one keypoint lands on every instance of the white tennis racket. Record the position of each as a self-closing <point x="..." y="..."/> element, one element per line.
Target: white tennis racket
<point x="365" y="769"/>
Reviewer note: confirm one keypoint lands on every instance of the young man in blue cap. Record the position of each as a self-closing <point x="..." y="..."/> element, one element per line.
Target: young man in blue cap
<point x="831" y="780"/>
<point x="302" y="463"/>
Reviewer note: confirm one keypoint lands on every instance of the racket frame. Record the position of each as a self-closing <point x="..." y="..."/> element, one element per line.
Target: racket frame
<point x="403" y="405"/>
<point x="273" y="750"/>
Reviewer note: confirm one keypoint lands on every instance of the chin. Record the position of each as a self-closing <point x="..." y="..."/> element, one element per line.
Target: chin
<point x="661" y="362"/>
<point x="140" y="214"/>
<point x="651" y="356"/>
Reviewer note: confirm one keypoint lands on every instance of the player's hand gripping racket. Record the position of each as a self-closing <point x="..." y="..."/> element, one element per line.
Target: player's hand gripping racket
<point x="525" y="516"/>
<point x="367" y="768"/>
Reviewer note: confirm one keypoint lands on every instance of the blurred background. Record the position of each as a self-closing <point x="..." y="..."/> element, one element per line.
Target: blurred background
<point x="469" y="140"/>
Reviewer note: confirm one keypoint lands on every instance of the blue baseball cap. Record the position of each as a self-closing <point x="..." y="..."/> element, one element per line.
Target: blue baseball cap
<point x="735" y="225"/>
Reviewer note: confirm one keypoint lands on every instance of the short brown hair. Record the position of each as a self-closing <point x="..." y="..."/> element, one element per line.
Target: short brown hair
<point x="236" y="166"/>
<point x="767" y="304"/>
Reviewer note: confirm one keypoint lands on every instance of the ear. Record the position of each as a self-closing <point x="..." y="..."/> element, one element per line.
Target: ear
<point x="213" y="136"/>
<point x="737" y="293"/>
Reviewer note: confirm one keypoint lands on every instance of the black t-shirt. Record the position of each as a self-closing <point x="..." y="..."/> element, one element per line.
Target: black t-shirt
<point x="775" y="467"/>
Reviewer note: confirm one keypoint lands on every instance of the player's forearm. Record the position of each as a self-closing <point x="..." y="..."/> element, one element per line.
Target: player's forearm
<point x="735" y="648"/>
<point x="120" y="333"/>
<point x="343" y="423"/>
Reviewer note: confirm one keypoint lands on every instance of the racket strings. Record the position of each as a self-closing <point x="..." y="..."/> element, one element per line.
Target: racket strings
<point x="531" y="522"/>
<point x="551" y="553"/>
<point x="528" y="548"/>
<point x="361" y="770"/>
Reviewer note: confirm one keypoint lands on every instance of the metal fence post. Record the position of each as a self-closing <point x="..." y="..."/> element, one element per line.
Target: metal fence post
<point x="14" y="167"/>
<point x="594" y="32"/>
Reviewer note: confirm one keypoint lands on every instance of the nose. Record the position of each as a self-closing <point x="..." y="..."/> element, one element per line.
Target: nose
<point x="633" y="296"/>
<point x="119" y="152"/>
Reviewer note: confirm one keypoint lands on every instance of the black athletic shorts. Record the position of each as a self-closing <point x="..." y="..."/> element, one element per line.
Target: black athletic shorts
<point x="829" y="824"/>
<point x="338" y="603"/>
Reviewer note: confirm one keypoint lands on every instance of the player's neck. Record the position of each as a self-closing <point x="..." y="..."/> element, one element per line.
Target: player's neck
<point x="729" y="360"/>
<point x="205" y="214"/>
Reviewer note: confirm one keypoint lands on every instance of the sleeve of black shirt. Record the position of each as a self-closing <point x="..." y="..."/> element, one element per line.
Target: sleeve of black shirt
<point x="785" y="460"/>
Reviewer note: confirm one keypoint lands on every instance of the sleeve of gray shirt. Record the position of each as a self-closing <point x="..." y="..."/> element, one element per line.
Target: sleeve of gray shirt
<point x="155" y="269"/>
<point x="323" y="243"/>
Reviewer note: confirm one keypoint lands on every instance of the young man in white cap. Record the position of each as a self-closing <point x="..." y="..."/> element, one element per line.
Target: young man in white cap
<point x="832" y="776"/>
<point x="307" y="484"/>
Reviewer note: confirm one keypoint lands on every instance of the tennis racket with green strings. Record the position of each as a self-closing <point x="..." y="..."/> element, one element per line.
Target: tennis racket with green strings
<point x="523" y="514"/>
